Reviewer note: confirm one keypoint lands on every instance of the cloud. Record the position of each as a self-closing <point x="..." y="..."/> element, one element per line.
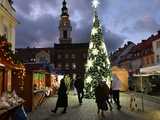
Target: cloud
<point x="34" y="32"/>
<point x="113" y="40"/>
<point x="123" y="19"/>
<point x="147" y="23"/>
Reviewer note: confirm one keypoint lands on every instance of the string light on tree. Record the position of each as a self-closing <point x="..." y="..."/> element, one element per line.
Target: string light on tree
<point x="94" y="31"/>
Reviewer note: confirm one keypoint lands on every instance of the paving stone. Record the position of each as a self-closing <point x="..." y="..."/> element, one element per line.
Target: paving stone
<point x="88" y="110"/>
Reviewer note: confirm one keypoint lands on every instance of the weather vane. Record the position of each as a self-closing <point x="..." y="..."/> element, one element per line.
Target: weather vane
<point x="95" y="3"/>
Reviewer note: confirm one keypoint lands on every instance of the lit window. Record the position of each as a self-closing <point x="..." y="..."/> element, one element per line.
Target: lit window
<point x="73" y="66"/>
<point x="32" y="60"/>
<point x="59" y="65"/>
<point x="74" y="76"/>
<point x="67" y="66"/>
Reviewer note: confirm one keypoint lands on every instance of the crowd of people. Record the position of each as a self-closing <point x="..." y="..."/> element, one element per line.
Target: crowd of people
<point x="103" y="94"/>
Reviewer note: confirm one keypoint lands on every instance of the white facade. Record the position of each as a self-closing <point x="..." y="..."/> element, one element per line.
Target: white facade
<point x="7" y="22"/>
<point x="156" y="49"/>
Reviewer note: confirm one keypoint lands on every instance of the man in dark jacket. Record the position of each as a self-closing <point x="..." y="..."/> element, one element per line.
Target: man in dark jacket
<point x="79" y="85"/>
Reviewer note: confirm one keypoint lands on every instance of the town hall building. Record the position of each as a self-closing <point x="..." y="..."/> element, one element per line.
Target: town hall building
<point x="66" y="57"/>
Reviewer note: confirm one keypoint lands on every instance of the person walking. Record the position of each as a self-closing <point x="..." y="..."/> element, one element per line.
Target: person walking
<point x="115" y="90"/>
<point x="79" y="85"/>
<point x="102" y="94"/>
<point x="62" y="100"/>
<point x="107" y="93"/>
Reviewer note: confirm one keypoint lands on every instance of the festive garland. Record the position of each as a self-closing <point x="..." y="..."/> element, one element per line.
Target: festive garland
<point x="6" y="52"/>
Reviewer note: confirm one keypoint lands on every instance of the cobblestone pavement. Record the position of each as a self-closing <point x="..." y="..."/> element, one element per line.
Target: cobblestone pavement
<point x="88" y="110"/>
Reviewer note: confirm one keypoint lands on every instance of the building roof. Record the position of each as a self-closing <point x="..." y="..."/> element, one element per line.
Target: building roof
<point x="73" y="45"/>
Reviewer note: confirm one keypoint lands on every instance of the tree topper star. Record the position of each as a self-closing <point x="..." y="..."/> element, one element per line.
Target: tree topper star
<point x="95" y="3"/>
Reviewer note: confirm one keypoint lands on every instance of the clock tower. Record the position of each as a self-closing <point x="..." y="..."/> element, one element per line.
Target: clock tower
<point x="65" y="27"/>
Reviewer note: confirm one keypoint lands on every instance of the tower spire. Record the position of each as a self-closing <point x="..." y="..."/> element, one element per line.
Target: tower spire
<point x="64" y="9"/>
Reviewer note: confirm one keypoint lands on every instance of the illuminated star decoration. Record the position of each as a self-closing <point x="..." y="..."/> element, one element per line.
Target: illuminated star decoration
<point x="95" y="3"/>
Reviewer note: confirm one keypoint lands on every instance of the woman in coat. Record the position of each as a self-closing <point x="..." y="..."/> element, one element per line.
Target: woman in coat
<point x="62" y="100"/>
<point x="101" y="94"/>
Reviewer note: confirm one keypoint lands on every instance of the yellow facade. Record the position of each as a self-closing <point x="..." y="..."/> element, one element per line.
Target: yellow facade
<point x="7" y="22"/>
<point x="122" y="75"/>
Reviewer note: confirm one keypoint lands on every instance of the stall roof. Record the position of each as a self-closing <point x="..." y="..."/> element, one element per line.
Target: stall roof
<point x="151" y="69"/>
<point x="2" y="65"/>
<point x="141" y="75"/>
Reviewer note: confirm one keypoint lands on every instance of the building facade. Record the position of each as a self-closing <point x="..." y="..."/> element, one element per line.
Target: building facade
<point x="142" y="55"/>
<point x="156" y="49"/>
<point x="8" y="21"/>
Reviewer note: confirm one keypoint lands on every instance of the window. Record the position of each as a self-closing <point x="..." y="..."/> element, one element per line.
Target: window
<point x="67" y="66"/>
<point x="59" y="65"/>
<point x="66" y="56"/>
<point x="43" y="60"/>
<point x="65" y="34"/>
<point x="84" y="56"/>
<point x="73" y="66"/>
<point x="158" y="59"/>
<point x="5" y="31"/>
<point x="59" y="56"/>
<point x="73" y="56"/>
<point x="32" y="60"/>
<point x="74" y="76"/>
<point x="158" y="44"/>
<point x="152" y="59"/>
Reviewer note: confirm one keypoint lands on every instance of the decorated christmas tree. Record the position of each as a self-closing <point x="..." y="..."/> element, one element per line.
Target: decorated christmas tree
<point x="98" y="65"/>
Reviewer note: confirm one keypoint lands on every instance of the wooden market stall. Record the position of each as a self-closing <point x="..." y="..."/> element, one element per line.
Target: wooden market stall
<point x="122" y="74"/>
<point x="11" y="79"/>
<point x="38" y="84"/>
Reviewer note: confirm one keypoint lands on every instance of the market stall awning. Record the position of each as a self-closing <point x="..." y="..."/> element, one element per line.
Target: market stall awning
<point x="151" y="69"/>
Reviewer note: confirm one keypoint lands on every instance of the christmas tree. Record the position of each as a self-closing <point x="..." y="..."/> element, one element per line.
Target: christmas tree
<point x="98" y="65"/>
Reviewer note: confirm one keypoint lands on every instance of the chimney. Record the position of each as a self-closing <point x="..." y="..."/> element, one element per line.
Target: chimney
<point x="143" y="41"/>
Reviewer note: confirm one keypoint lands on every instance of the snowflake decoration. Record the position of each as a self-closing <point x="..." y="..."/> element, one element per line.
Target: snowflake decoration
<point x="94" y="31"/>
